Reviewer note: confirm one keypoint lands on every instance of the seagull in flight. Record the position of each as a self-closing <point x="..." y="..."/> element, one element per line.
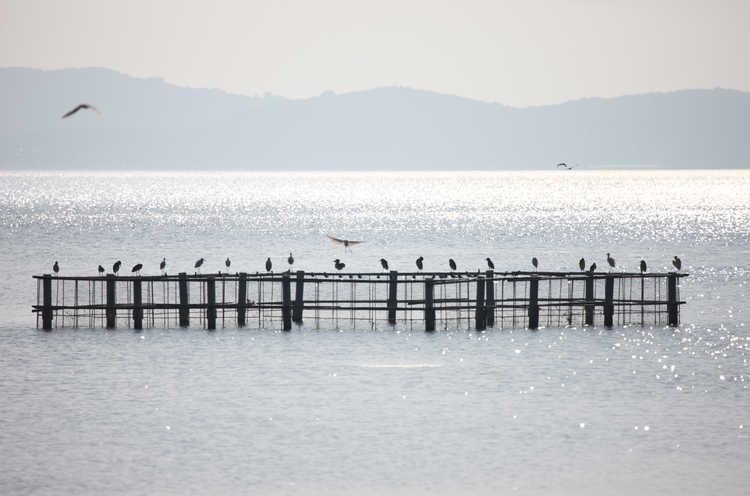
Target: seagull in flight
<point x="81" y="106"/>
<point x="347" y="244"/>
<point x="569" y="167"/>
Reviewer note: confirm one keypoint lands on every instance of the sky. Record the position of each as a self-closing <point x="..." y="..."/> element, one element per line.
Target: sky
<point x="518" y="53"/>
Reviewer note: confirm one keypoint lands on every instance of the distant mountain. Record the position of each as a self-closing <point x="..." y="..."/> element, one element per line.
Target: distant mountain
<point x="149" y="124"/>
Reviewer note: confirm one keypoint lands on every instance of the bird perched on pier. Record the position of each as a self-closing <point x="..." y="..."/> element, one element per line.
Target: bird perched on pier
<point x="563" y="164"/>
<point x="582" y="264"/>
<point x="452" y="264"/>
<point x="676" y="262"/>
<point x="269" y="265"/>
<point x="490" y="264"/>
<point x="384" y="263"/>
<point x="162" y="265"/>
<point x="338" y="264"/>
<point x="419" y="263"/>
<point x="199" y="263"/>
<point x="116" y="267"/>
<point x="611" y="262"/>
<point x="81" y="106"/>
<point x="290" y="261"/>
<point x="56" y="267"/>
<point x="592" y="268"/>
<point x="137" y="268"/>
<point x="101" y="270"/>
<point x="643" y="267"/>
<point x="347" y="244"/>
<point x="535" y="263"/>
<point x="227" y="262"/>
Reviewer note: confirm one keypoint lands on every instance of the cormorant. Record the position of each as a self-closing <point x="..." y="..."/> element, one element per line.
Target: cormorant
<point x="419" y="263"/>
<point x="269" y="265"/>
<point x="452" y="264"/>
<point x="199" y="263"/>
<point x="384" y="263"/>
<point x="338" y="264"/>
<point x="490" y="264"/>
<point x="535" y="263"/>
<point x="643" y="266"/>
<point x="116" y="267"/>
<point x="582" y="264"/>
<point x="676" y="262"/>
<point x="101" y="270"/>
<point x="137" y="268"/>
<point x="56" y="268"/>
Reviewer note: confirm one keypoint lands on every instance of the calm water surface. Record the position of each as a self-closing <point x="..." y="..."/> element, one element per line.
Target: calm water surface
<point x="629" y="410"/>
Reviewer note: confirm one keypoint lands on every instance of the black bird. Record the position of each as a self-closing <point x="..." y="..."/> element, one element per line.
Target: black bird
<point x="199" y="263"/>
<point x="290" y="261"/>
<point x="610" y="261"/>
<point x="227" y="262"/>
<point x="101" y="270"/>
<point x="163" y="264"/>
<point x="384" y="263"/>
<point x="452" y="264"/>
<point x="56" y="268"/>
<point x="81" y="106"/>
<point x="419" y="263"/>
<point x="676" y="262"/>
<point x="490" y="264"/>
<point x="137" y="268"/>
<point x="347" y="244"/>
<point x="563" y="164"/>
<point x="593" y="267"/>
<point x="269" y="265"/>
<point x="582" y="264"/>
<point x="338" y="264"/>
<point x="116" y="267"/>
<point x="643" y="266"/>
<point x="535" y="263"/>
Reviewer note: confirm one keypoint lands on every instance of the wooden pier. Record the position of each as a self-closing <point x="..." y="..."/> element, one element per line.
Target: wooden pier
<point x="429" y="301"/>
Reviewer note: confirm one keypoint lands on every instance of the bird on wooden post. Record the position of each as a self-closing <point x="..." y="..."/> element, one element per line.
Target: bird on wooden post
<point x="101" y="270"/>
<point x="269" y="265"/>
<point x="199" y="263"/>
<point x="137" y="268"/>
<point x="452" y="264"/>
<point x="582" y="264"/>
<point x="116" y="267"/>
<point x="592" y="268"/>
<point x="347" y="244"/>
<point x="56" y="268"/>
<point x="419" y="263"/>
<point x="290" y="261"/>
<point x="611" y="262"/>
<point x="643" y="267"/>
<point x="338" y="264"/>
<point x="227" y="262"/>
<point x="676" y="262"/>
<point x="384" y="263"/>
<point x="535" y="263"/>
<point x="81" y="106"/>
<point x="162" y="265"/>
<point x="490" y="264"/>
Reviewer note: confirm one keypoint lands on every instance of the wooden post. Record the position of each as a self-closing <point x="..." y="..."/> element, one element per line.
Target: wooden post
<point x="111" y="299"/>
<point x="47" y="302"/>
<point x="609" y="307"/>
<point x="479" y="314"/>
<point x="392" y="297"/>
<point x="672" y="307"/>
<point x="184" y="301"/>
<point x="242" y="303"/>
<point x="489" y="308"/>
<point x="589" y="319"/>
<point x="211" y="310"/>
<point x="534" y="302"/>
<point x="137" y="304"/>
<point x="286" y="305"/>
<point x="299" y="297"/>
<point x="429" y="305"/>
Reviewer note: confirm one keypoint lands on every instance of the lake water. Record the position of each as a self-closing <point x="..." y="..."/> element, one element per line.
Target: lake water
<point x="628" y="410"/>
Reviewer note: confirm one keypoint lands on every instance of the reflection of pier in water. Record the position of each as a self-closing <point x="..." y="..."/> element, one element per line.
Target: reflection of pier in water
<point x="425" y="300"/>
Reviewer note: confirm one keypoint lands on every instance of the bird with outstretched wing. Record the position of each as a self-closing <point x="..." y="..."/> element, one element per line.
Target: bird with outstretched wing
<point x="347" y="244"/>
<point x="81" y="106"/>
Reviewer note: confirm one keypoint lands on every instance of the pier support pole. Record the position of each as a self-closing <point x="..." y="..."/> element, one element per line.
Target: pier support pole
<point x="137" y="304"/>
<point x="286" y="305"/>
<point x="111" y="311"/>
<point x="392" y="290"/>
<point x="534" y="302"/>
<point x="489" y="308"/>
<point x="589" y="308"/>
<point x="299" y="297"/>
<point x="184" y="301"/>
<point x="609" y="307"/>
<point x="211" y="310"/>
<point x="480" y="313"/>
<point x="672" y="307"/>
<point x="242" y="299"/>
<point x="47" y="302"/>
<point x="429" y="305"/>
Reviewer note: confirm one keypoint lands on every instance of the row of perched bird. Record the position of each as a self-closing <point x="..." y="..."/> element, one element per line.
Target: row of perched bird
<point x="339" y="265"/>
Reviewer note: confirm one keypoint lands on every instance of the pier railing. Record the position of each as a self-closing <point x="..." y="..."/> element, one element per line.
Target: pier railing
<point x="435" y="300"/>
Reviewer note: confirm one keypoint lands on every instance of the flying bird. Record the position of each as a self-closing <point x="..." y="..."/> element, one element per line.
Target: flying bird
<point x="101" y="270"/>
<point x="163" y="264"/>
<point x="582" y="264"/>
<point x="81" y="106"/>
<point x="419" y="263"/>
<point x="490" y="264"/>
<point x="643" y="267"/>
<point x="199" y="263"/>
<point x="347" y="244"/>
<point x="569" y="167"/>
<point x="56" y="268"/>
<point x="610" y="261"/>
<point x="137" y="268"/>
<point x="338" y="264"/>
<point x="535" y="263"/>
<point x="452" y="264"/>
<point x="116" y="267"/>
<point x="384" y="263"/>
<point x="290" y="261"/>
<point x="676" y="262"/>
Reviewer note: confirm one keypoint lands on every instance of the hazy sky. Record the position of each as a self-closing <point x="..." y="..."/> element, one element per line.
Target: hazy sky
<point x="521" y="53"/>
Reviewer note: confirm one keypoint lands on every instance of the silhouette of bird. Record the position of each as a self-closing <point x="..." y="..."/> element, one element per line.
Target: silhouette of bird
<point x="338" y="264"/>
<point x="137" y="268"/>
<point x="199" y="263"/>
<point x="535" y="263"/>
<point x="610" y="261"/>
<point x="676" y="262"/>
<point x="643" y="266"/>
<point x="452" y="264"/>
<point x="593" y="267"/>
<point x="419" y="263"/>
<point x="116" y="267"/>
<point x="290" y="261"/>
<point x="582" y="264"/>
<point x="56" y="268"/>
<point x="101" y="270"/>
<point x="384" y="263"/>
<point x="563" y="164"/>
<point x="269" y="265"/>
<point x="490" y="264"/>
<point x="227" y="262"/>
<point x="81" y="106"/>
<point x="347" y="244"/>
<point x="163" y="264"/>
